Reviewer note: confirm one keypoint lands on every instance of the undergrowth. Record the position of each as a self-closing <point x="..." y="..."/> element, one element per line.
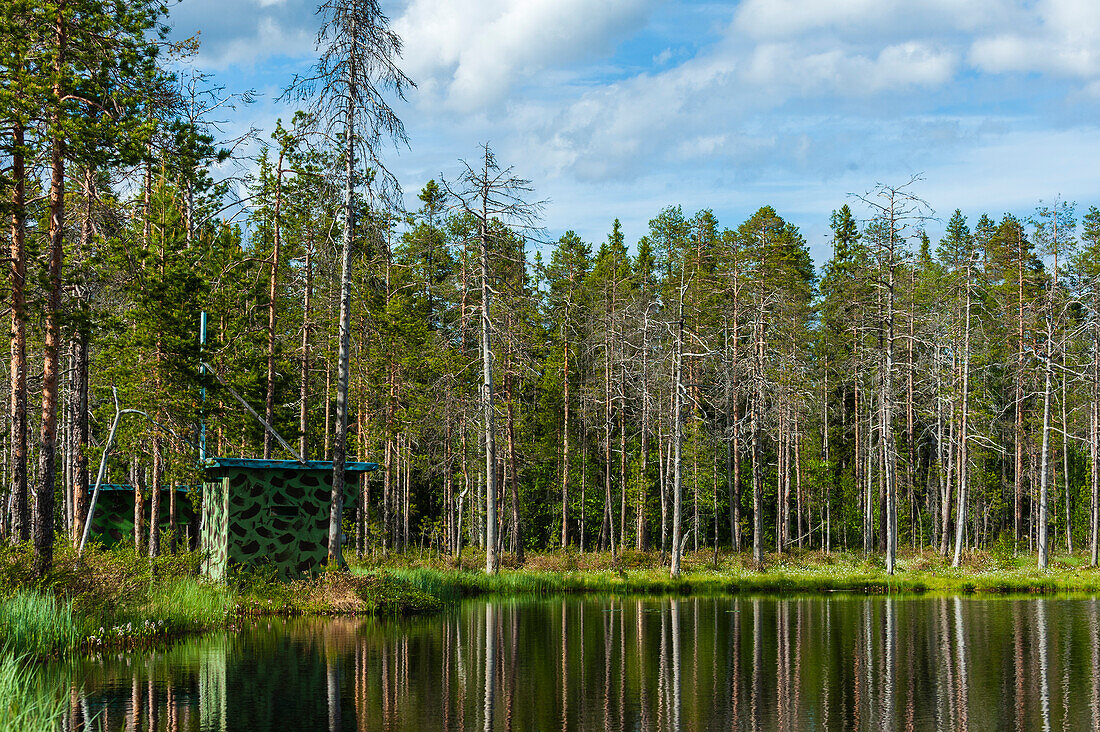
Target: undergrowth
<point x="115" y="598"/>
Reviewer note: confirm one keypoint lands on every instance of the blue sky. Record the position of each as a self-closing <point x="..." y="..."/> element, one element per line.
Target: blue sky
<point x="617" y="108"/>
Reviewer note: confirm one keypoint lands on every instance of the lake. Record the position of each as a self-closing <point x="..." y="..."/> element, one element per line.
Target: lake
<point x="833" y="662"/>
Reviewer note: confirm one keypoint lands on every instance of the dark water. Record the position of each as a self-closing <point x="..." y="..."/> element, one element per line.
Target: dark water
<point x="625" y="664"/>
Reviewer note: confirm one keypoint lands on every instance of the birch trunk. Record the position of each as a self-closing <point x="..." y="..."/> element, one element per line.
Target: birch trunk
<point x="677" y="440"/>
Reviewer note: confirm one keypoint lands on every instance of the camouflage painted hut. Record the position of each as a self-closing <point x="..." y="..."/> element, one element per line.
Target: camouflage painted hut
<point x="113" y="520"/>
<point x="273" y="512"/>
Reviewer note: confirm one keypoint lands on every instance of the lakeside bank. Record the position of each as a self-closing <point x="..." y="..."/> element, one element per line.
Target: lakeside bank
<point x="115" y="599"/>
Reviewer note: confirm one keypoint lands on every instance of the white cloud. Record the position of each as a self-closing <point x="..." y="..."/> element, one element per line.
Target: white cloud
<point x="723" y="105"/>
<point x="713" y="106"/>
<point x="867" y="19"/>
<point x="836" y="71"/>
<point x="1060" y="36"/>
<point x="471" y="54"/>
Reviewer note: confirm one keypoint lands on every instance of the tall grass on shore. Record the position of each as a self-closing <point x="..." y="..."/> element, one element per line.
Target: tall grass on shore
<point x="189" y="604"/>
<point x="26" y="705"/>
<point x="38" y="624"/>
<point x="792" y="572"/>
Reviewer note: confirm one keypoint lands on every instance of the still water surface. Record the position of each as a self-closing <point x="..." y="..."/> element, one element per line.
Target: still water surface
<point x="624" y="664"/>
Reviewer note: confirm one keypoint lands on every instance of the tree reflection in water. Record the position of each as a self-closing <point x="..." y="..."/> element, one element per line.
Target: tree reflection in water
<point x="619" y="664"/>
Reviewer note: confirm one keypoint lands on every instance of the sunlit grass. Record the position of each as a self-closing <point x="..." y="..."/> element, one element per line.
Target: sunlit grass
<point x="26" y="705"/>
<point x="798" y="571"/>
<point x="188" y="604"/>
<point x="39" y="624"/>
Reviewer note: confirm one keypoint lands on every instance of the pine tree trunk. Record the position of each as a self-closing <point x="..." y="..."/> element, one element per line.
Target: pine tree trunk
<point x="1018" y="482"/>
<point x="756" y="449"/>
<point x="42" y="510"/>
<point x="565" y="444"/>
<point x="513" y="478"/>
<point x="622" y="467"/>
<point x="340" y="442"/>
<point x="735" y="443"/>
<point x="303" y="381"/>
<point x="328" y="411"/>
<point x="948" y="469"/>
<point x="1065" y="468"/>
<point x="155" y="479"/>
<point x="20" y="525"/>
<point x="643" y="464"/>
<point x="1094" y="451"/>
<point x="1044" y="461"/>
<point x="607" y="525"/>
<point x="662" y="481"/>
<point x="798" y="482"/>
<point x="138" y="481"/>
<point x="890" y="454"/>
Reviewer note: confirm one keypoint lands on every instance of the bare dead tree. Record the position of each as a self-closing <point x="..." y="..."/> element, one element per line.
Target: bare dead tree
<point x="347" y="87"/>
<point x="490" y="193"/>
<point x="898" y="208"/>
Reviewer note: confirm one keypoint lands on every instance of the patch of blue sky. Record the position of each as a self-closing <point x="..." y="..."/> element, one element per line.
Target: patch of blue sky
<point x="618" y="109"/>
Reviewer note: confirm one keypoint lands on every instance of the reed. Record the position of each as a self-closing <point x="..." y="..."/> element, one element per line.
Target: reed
<point x="26" y="704"/>
<point x="38" y="624"/>
<point x="791" y="573"/>
<point x="188" y="604"/>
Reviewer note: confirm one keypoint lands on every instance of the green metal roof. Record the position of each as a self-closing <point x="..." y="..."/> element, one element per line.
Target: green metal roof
<point x="319" y="465"/>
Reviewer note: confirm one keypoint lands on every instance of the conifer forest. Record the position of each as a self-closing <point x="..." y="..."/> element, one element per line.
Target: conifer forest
<point x="706" y="387"/>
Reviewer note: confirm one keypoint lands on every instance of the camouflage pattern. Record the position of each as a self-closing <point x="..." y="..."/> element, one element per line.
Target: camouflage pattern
<point x="270" y="512"/>
<point x="113" y="522"/>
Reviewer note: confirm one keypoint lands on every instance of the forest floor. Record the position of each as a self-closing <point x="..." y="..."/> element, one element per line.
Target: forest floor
<point x="114" y="598"/>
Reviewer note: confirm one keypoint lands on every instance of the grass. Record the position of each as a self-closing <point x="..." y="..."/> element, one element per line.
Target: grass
<point x="793" y="572"/>
<point x="113" y="598"/>
<point x="38" y="624"/>
<point x="26" y="705"/>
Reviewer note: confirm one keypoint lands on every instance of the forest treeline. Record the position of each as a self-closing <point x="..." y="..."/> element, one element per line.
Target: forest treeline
<point x="702" y="387"/>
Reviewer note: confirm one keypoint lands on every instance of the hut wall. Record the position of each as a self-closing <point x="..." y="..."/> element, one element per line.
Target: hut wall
<point x="269" y="516"/>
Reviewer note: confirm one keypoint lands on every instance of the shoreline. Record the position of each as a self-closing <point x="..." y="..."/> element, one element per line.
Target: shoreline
<point x="118" y="601"/>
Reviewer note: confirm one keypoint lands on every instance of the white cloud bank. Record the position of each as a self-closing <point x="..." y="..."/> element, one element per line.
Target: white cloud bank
<point x="472" y="54"/>
<point x="771" y="100"/>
